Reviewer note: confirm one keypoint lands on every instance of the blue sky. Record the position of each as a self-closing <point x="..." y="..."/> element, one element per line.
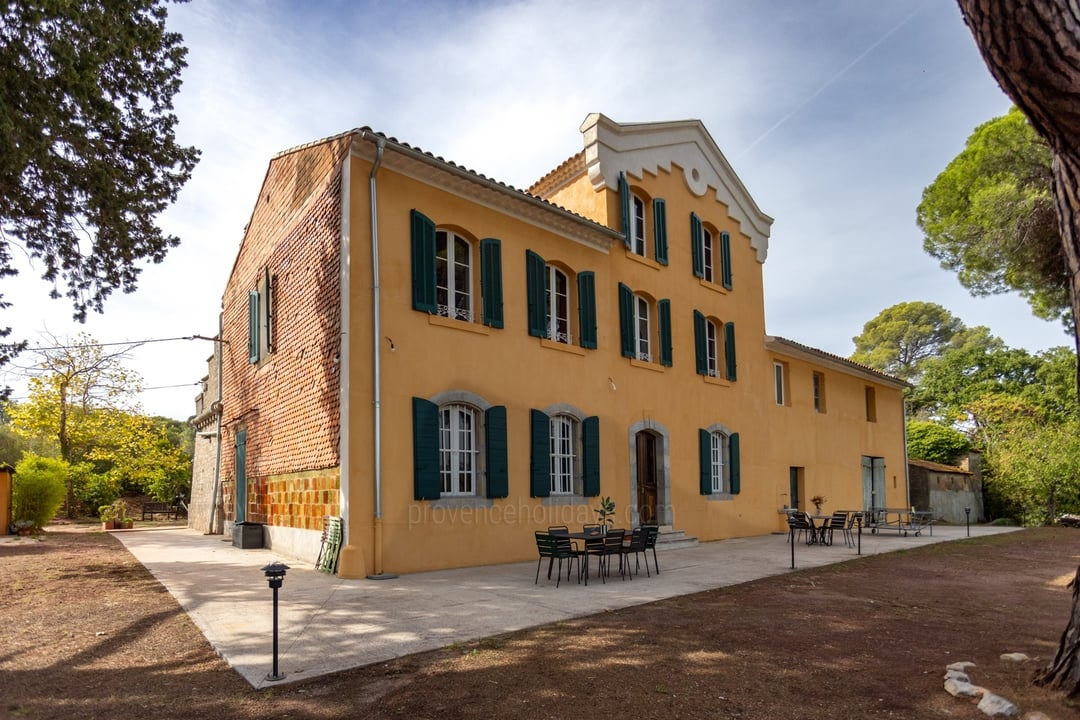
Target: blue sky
<point x="834" y="114"/>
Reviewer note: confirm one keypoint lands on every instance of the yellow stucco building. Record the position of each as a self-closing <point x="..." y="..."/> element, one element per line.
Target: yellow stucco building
<point x="450" y="363"/>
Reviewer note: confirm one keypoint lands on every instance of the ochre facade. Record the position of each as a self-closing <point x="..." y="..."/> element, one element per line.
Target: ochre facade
<point x="512" y="357"/>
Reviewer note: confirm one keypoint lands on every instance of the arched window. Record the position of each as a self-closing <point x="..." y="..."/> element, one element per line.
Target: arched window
<point x="557" y="298"/>
<point x="641" y="329"/>
<point x="712" y="348"/>
<point x="563" y="441"/>
<point x="453" y="276"/>
<point x="718" y="468"/>
<point x="637" y="225"/>
<point x="719" y="457"/>
<point x="708" y="253"/>
<point x="458" y="449"/>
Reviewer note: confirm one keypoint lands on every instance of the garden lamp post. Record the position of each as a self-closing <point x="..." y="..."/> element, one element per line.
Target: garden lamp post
<point x="275" y="575"/>
<point x="967" y="516"/>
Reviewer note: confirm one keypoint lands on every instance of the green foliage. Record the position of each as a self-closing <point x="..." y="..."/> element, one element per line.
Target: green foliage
<point x="83" y="400"/>
<point x="901" y="337"/>
<point x="990" y="217"/>
<point x="38" y="490"/>
<point x="90" y="155"/>
<point x="605" y="514"/>
<point x="93" y="489"/>
<point x="935" y="442"/>
<point x="1034" y="469"/>
<point x="12" y="446"/>
<point x="975" y="364"/>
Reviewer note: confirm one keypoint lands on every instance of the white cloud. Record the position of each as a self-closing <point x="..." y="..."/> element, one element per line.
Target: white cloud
<point x="835" y="114"/>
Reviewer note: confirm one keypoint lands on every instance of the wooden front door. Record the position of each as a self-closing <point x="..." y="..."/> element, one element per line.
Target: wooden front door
<point x="647" y="476"/>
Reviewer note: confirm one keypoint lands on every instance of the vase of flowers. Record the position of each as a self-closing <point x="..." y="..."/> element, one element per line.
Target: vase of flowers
<point x="818" y="501"/>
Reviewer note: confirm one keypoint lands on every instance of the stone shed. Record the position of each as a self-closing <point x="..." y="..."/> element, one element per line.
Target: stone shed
<point x="948" y="489"/>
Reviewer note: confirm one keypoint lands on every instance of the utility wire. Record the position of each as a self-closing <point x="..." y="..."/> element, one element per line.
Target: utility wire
<point x="129" y="342"/>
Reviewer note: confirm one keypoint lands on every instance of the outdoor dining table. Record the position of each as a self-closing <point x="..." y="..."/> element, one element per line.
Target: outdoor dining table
<point x="583" y="536"/>
<point x="819" y="524"/>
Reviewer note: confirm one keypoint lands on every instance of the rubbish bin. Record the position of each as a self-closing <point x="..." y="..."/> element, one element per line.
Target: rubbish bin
<point x="247" y="535"/>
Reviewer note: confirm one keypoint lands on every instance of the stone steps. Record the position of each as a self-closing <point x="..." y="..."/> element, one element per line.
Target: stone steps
<point x="671" y="539"/>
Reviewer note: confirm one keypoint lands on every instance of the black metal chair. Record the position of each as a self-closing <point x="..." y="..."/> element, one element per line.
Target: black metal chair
<point x="838" y="521"/>
<point x="854" y="523"/>
<point x="800" y="524"/>
<point x="553" y="548"/>
<point x="636" y="547"/>
<point x="652" y="532"/>
<point x="603" y="548"/>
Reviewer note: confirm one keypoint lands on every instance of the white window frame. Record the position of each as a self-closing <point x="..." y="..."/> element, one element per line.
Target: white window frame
<point x="708" y="248"/>
<point x="453" y="299"/>
<point x="459" y="449"/>
<point x="720" y="449"/>
<point x="564" y="431"/>
<point x="642" y="329"/>
<point x="637" y="224"/>
<point x="558" y="320"/>
<point x="712" y="348"/>
<point x="778" y="382"/>
<point x="819" y="392"/>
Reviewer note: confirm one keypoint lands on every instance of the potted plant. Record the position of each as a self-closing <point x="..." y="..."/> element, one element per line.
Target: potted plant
<point x="24" y="527"/>
<point x="120" y="516"/>
<point x="108" y="517"/>
<point x="605" y="514"/>
<point x="818" y="501"/>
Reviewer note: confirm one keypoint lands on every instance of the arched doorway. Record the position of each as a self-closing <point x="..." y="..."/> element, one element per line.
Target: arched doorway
<point x="650" y="470"/>
<point x="648" y="475"/>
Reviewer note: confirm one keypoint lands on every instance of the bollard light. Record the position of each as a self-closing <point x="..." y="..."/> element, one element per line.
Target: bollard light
<point x="967" y="515"/>
<point x="275" y="576"/>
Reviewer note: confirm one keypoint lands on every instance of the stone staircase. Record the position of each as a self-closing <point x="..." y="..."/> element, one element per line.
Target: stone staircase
<point x="671" y="539"/>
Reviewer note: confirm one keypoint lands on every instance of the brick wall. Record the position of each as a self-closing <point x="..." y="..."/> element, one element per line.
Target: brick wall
<point x="288" y="402"/>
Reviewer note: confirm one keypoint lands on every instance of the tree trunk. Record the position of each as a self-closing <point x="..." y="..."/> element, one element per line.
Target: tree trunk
<point x="1033" y="51"/>
<point x="1064" y="672"/>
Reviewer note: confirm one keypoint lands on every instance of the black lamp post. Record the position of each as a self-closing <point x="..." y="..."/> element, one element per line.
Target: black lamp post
<point x="275" y="575"/>
<point x="967" y="515"/>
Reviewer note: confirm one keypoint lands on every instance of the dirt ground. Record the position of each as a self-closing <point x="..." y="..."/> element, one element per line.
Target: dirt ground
<point x="86" y="632"/>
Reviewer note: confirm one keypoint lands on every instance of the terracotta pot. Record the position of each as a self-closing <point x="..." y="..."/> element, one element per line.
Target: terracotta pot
<point x="108" y="525"/>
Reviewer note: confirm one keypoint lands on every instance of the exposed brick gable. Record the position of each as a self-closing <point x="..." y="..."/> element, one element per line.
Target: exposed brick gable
<point x="288" y="402"/>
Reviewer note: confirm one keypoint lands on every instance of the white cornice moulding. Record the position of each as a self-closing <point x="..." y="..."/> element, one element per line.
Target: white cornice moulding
<point x="637" y="148"/>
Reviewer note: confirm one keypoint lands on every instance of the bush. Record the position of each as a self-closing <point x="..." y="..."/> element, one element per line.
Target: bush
<point x="39" y="489"/>
<point x="94" y="489"/>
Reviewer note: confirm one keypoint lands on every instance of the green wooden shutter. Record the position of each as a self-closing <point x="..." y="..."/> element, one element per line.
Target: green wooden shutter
<point x="624" y="207"/>
<point x="590" y="456"/>
<point x="253" y="326"/>
<point x="725" y="259"/>
<point x="540" y="454"/>
<point x="498" y="477"/>
<point x="240" y="489"/>
<point x="659" y="208"/>
<point x="626" y="321"/>
<point x="423" y="263"/>
<point x="587" y="309"/>
<point x="491" y="290"/>
<point x="733" y="462"/>
<point x="426" y="482"/>
<point x="536" y="288"/>
<point x="701" y="349"/>
<point x="697" y="246"/>
<point x="705" y="462"/>
<point x="664" y="307"/>
<point x="729" y="349"/>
